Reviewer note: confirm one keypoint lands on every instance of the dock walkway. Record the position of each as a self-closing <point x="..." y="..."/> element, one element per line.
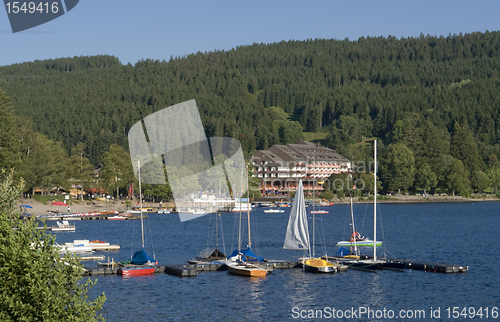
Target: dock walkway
<point x="189" y="270"/>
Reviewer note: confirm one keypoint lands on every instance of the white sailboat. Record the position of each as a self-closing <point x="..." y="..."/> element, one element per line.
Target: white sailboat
<point x="297" y="236"/>
<point x="353" y="260"/>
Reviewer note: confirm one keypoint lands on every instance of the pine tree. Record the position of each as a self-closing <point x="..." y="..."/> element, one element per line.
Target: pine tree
<point x="8" y="126"/>
<point x="463" y="147"/>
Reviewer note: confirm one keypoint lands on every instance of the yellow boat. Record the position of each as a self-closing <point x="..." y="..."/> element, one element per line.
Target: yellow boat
<point x="318" y="265"/>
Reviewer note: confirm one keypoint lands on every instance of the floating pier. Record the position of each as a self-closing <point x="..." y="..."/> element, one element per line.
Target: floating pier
<point x="104" y="247"/>
<point x="394" y="263"/>
<point x="190" y="270"/>
<point x="92" y="258"/>
<point x="113" y="270"/>
<point x="401" y="264"/>
<point x="180" y="270"/>
<point x="84" y="245"/>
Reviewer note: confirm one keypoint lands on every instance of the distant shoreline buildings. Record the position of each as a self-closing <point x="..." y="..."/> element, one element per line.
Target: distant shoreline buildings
<point x="280" y="167"/>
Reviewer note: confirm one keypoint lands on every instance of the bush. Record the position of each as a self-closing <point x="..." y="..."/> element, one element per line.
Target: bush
<point x="328" y="195"/>
<point x="44" y="198"/>
<point x="35" y="282"/>
<point x="465" y="193"/>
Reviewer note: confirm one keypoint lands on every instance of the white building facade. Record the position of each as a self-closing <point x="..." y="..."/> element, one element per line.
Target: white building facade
<point x="280" y="167"/>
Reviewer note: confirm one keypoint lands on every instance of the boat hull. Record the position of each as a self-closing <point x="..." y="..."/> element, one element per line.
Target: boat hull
<point x="117" y="218"/>
<point x="366" y="265"/>
<point x="136" y="271"/>
<point x="245" y="269"/>
<point x="247" y="272"/>
<point x="318" y="265"/>
<point x="359" y="243"/>
<point x="274" y="211"/>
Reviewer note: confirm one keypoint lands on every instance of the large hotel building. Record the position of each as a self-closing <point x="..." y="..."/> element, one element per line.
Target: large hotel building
<point x="280" y="167"/>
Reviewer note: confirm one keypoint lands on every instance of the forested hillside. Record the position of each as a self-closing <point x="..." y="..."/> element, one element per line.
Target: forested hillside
<point x="398" y="90"/>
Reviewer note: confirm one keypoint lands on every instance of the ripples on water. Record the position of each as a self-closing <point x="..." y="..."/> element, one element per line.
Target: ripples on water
<point x="454" y="233"/>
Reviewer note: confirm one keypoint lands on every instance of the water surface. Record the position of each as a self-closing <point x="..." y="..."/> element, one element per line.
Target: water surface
<point x="454" y="233"/>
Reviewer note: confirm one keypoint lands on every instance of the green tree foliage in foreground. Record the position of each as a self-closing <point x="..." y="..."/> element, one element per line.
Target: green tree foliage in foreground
<point x="36" y="284"/>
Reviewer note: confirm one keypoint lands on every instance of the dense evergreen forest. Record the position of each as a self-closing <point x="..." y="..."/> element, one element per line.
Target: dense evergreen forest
<point x="433" y="101"/>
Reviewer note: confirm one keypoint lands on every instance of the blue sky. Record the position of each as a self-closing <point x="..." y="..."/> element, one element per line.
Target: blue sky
<point x="135" y="30"/>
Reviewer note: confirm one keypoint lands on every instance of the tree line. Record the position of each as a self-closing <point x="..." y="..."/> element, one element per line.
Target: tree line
<point x="409" y="91"/>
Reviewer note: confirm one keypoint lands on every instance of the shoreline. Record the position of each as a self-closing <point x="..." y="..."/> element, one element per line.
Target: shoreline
<point x="415" y="199"/>
<point x="41" y="209"/>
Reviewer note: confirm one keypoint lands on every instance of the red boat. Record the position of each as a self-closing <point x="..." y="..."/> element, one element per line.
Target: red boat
<point x="136" y="271"/>
<point x="319" y="212"/>
<point x="140" y="263"/>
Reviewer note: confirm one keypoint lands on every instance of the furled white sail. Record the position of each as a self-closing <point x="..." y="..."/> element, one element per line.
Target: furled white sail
<point x="297" y="232"/>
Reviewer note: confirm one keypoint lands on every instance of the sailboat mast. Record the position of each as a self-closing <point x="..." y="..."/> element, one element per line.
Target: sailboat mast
<point x="239" y="230"/>
<point x="140" y="201"/>
<point x="375" y="206"/>
<point x="314" y="213"/>
<point x="352" y="219"/>
<point x="353" y="230"/>
<point x="248" y="211"/>
<point x="216" y="216"/>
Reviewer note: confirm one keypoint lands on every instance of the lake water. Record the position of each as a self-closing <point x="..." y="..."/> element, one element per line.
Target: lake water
<point x="453" y="233"/>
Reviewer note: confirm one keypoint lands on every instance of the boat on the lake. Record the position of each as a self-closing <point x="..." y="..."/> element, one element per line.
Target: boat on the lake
<point x="274" y="211"/>
<point x="189" y="211"/>
<point x="353" y="259"/>
<point x="244" y="262"/>
<point x="236" y="265"/>
<point x="211" y="255"/>
<point x="77" y="246"/>
<point x="117" y="217"/>
<point x="140" y="263"/>
<point x="297" y="236"/>
<point x="63" y="226"/>
<point x="319" y="212"/>
<point x="242" y="205"/>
